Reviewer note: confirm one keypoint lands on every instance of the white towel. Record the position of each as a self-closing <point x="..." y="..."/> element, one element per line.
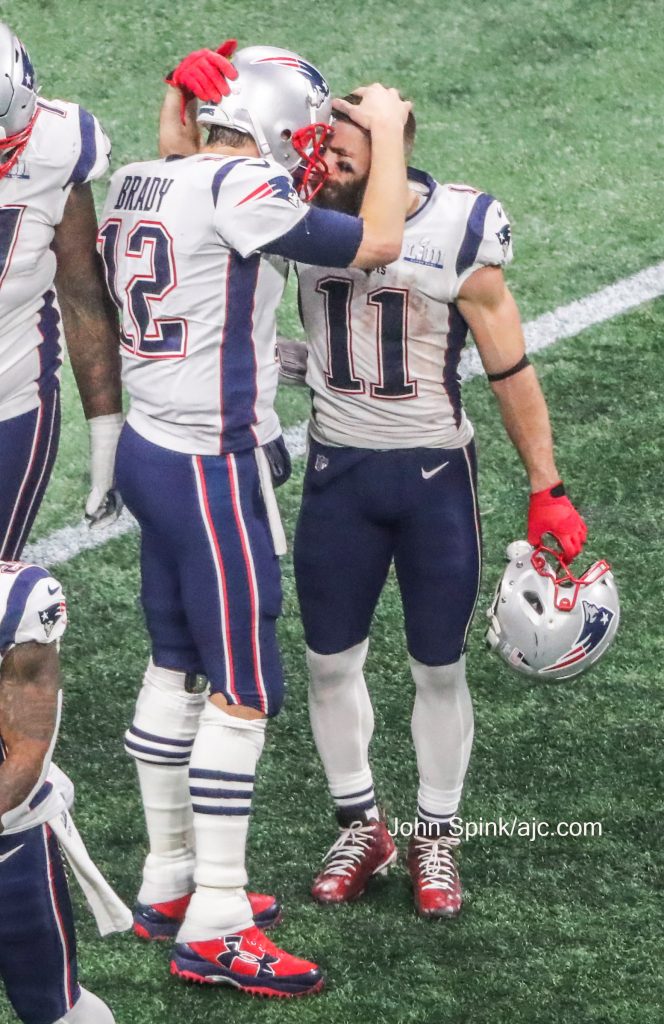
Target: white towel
<point x="110" y="912"/>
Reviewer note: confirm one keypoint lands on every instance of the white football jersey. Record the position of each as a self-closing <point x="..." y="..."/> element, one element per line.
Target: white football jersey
<point x="32" y="608"/>
<point x="384" y="345"/>
<point x="67" y="147"/>
<point x="179" y="239"/>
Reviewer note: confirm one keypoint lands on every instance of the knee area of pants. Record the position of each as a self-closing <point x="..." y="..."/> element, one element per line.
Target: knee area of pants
<point x="328" y="670"/>
<point x="88" y="1009"/>
<point x="170" y="685"/>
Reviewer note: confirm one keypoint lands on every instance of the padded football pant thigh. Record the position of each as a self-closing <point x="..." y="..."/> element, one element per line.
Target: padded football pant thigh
<point x="28" y="446"/>
<point x="437" y="558"/>
<point x="341" y="563"/>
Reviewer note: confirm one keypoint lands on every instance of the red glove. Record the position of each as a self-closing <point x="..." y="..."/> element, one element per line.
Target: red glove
<point x="551" y="511"/>
<point x="205" y="73"/>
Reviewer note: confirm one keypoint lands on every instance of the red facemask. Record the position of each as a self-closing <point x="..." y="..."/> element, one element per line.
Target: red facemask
<point x="14" y="145"/>
<point x="309" y="144"/>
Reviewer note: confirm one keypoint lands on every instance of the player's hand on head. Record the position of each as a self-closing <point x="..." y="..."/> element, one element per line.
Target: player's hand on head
<point x="378" y="106"/>
<point x="205" y="74"/>
<point x="551" y="512"/>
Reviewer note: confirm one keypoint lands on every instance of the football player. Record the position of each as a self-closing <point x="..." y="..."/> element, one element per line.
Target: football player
<point x="391" y="479"/>
<point x="37" y="940"/>
<point x="196" y="253"/>
<point x="50" y="151"/>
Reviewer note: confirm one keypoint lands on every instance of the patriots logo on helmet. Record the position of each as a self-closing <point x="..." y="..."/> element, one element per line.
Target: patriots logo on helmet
<point x="49" y="616"/>
<point x="280" y="187"/>
<point x="318" y="83"/>
<point x="504" y="236"/>
<point x="28" y="70"/>
<point x="596" y="622"/>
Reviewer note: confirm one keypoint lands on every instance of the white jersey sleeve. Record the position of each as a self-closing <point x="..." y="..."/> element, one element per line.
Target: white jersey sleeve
<point x="32" y="608"/>
<point x="255" y="202"/>
<point x="487" y="238"/>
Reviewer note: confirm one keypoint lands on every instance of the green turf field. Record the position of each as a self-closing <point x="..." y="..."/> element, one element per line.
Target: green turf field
<point x="557" y="109"/>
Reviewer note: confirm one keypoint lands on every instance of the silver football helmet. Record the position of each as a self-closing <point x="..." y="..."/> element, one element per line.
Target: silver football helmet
<point x="18" y="98"/>
<point x="547" y="623"/>
<point x="284" y="104"/>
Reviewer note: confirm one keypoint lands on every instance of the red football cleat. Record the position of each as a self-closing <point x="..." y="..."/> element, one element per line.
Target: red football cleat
<point x="161" y="921"/>
<point x="360" y="852"/>
<point x="249" y="962"/>
<point x="434" y="874"/>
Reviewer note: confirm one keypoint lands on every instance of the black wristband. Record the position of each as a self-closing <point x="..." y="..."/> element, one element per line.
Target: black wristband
<point x="521" y="365"/>
<point x="558" y="491"/>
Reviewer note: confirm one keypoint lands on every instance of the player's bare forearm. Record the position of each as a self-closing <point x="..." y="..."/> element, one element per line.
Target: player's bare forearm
<point x="526" y="418"/>
<point x="29" y="685"/>
<point x="493" y="317"/>
<point x="89" y="316"/>
<point x="176" y="138"/>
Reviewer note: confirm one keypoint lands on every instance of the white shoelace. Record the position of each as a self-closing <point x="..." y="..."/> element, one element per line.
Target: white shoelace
<point x="349" y="849"/>
<point x="436" y="861"/>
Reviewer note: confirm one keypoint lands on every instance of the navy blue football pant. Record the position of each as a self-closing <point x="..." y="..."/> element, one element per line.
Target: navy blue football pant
<point x="364" y="510"/>
<point x="28" y="446"/>
<point x="210" y="579"/>
<point x="37" y="941"/>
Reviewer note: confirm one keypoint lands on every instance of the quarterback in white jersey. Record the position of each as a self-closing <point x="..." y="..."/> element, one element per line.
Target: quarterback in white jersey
<point x="49" y="153"/>
<point x="196" y="251"/>
<point x="391" y="479"/>
<point x="37" y="938"/>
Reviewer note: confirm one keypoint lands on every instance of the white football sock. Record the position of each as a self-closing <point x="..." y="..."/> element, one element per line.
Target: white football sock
<point x="221" y="779"/>
<point x="442" y="728"/>
<point x="160" y="739"/>
<point x="342" y="722"/>
<point x="88" y="1009"/>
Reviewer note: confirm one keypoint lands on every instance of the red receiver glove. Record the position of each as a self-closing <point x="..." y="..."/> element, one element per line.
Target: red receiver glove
<point x="551" y="511"/>
<point x="204" y="74"/>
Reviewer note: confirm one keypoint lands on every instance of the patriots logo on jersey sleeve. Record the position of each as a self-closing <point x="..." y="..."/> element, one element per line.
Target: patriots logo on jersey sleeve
<point x="276" y="188"/>
<point x="54" y="613"/>
<point x="320" y="86"/>
<point x="596" y="622"/>
<point x="504" y="236"/>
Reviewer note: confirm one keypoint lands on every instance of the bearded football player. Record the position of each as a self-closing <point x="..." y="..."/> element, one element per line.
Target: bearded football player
<point x="50" y="151"/>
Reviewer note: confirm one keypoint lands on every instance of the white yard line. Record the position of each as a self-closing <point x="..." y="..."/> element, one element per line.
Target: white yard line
<point x="563" y="322"/>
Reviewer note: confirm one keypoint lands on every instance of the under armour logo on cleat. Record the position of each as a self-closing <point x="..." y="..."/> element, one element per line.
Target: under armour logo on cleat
<point x="428" y="473"/>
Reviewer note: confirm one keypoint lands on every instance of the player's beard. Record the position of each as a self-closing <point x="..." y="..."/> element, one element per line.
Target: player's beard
<point x="346" y="198"/>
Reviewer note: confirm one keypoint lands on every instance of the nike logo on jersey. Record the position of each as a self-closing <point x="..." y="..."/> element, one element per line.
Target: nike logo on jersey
<point x="6" y="856"/>
<point x="428" y="473"/>
<point x="53" y="589"/>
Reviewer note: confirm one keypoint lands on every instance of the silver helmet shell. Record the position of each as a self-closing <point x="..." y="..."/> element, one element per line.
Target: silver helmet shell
<point x="546" y="623"/>
<point x="18" y="87"/>
<point x="276" y="94"/>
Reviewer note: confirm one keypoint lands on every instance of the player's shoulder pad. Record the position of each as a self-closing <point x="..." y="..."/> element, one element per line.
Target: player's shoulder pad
<point x="44" y="614"/>
<point x="246" y="181"/>
<point x="82" y="144"/>
<point x="485" y="235"/>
